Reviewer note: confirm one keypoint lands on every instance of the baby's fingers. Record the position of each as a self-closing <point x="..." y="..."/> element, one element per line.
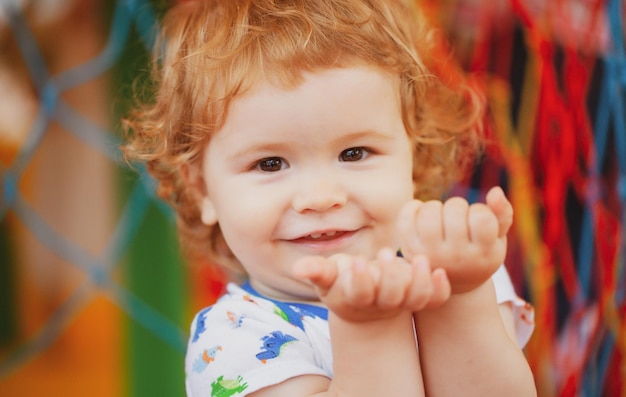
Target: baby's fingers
<point x="359" y="284"/>
<point x="429" y="289"/>
<point x="406" y="228"/>
<point x="483" y="225"/>
<point x="502" y="208"/>
<point x="318" y="270"/>
<point x="441" y="288"/>
<point x="394" y="281"/>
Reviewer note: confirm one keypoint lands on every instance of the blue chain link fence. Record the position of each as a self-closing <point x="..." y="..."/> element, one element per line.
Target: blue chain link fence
<point x="139" y="270"/>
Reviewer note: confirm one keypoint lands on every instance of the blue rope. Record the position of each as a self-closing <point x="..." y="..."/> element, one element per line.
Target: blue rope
<point x="89" y="133"/>
<point x="120" y="26"/>
<point x="128" y="224"/>
<point x="150" y="319"/>
<point x="28" y="45"/>
<point x="610" y="104"/>
<point x="47" y="334"/>
<point x="142" y="195"/>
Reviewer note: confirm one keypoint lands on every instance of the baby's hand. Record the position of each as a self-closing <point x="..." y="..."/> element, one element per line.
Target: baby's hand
<point x="468" y="241"/>
<point x="357" y="290"/>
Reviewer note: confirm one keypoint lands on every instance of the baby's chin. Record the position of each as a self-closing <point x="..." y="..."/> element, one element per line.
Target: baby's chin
<point x="304" y="293"/>
<point x="300" y="291"/>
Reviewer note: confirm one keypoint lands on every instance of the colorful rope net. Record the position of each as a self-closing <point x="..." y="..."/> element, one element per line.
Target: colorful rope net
<point x="553" y="73"/>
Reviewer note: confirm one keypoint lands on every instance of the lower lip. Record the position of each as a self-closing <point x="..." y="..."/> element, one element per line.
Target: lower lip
<point x="335" y="243"/>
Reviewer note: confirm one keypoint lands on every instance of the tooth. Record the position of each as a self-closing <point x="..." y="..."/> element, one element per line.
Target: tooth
<point x="331" y="233"/>
<point x="316" y="235"/>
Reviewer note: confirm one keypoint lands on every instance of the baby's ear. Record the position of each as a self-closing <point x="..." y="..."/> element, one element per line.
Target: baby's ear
<point x="192" y="177"/>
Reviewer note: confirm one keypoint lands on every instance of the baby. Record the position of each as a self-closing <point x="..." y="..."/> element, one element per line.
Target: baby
<point x="306" y="144"/>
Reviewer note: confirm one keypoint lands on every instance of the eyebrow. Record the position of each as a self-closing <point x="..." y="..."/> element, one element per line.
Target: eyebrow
<point x="365" y="134"/>
<point x="254" y="148"/>
<point x="269" y="147"/>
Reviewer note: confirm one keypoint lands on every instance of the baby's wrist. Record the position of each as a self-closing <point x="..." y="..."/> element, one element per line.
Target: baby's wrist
<point x="372" y="320"/>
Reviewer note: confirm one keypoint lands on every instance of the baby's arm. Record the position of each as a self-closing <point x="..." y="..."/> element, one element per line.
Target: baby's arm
<point x="371" y="326"/>
<point x="464" y="346"/>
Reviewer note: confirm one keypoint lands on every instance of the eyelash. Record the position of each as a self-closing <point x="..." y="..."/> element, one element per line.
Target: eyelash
<point x="359" y="151"/>
<point x="274" y="164"/>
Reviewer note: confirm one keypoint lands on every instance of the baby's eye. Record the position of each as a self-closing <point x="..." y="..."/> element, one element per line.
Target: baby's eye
<point x="271" y="164"/>
<point x="354" y="154"/>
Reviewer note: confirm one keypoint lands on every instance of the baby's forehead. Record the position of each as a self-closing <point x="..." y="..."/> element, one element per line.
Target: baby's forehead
<point x="327" y="83"/>
<point x="330" y="108"/>
<point x="291" y="79"/>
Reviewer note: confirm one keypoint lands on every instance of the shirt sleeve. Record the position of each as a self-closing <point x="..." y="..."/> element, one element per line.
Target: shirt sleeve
<point x="239" y="346"/>
<point x="523" y="312"/>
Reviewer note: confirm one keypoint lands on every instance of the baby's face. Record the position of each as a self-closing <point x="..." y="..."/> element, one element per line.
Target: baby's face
<point x="317" y="170"/>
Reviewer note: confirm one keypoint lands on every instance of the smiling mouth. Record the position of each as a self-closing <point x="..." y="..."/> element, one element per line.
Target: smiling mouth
<point x="321" y="237"/>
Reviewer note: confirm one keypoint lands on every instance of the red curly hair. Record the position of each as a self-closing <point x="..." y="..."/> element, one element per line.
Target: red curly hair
<point x="212" y="51"/>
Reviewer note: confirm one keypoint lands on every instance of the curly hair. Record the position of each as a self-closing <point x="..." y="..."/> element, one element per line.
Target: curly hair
<point x="212" y="51"/>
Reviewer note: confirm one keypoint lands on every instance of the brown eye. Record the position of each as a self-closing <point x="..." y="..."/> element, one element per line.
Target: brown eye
<point x="271" y="164"/>
<point x="353" y="154"/>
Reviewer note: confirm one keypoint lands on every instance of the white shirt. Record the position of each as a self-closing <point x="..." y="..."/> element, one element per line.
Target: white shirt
<point x="246" y="342"/>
